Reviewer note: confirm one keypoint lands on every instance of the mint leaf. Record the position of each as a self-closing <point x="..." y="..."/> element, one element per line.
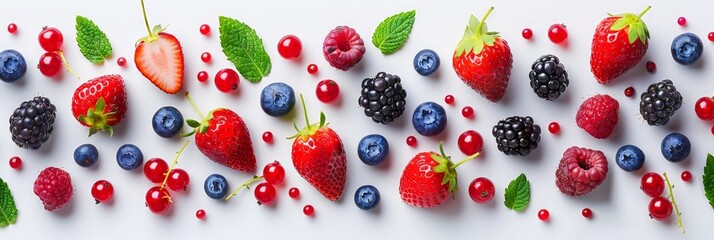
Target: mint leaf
<point x="244" y="49"/>
<point x="518" y="193"/>
<point x="8" y="210"/>
<point x="708" y="179"/>
<point x="93" y="43"/>
<point x="392" y="33"/>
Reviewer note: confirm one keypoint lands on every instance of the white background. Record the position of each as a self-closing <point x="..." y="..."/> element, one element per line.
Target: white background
<point x="620" y="208"/>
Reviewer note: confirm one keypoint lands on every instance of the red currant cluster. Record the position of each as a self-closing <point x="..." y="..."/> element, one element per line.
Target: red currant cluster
<point x="660" y="208"/>
<point x="264" y="192"/>
<point x="50" y="64"/>
<point x="156" y="170"/>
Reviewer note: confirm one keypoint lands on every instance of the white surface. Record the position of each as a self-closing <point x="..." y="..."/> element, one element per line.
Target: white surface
<point x="620" y="208"/>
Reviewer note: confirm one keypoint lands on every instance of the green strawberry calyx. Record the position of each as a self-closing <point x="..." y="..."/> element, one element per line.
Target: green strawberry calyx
<point x="633" y="26"/>
<point x="200" y="127"/>
<point x="311" y="129"/>
<point x="476" y="36"/>
<point x="153" y="32"/>
<point x="97" y="119"/>
<point x="448" y="168"/>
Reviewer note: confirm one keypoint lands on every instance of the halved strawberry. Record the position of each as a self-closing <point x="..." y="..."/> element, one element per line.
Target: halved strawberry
<point x="159" y="58"/>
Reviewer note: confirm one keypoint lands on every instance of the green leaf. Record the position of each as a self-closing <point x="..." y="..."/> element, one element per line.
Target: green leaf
<point x="392" y="33"/>
<point x="518" y="193"/>
<point x="708" y="179"/>
<point x="193" y="123"/>
<point x="8" y="210"/>
<point x="92" y="42"/>
<point x="633" y="26"/>
<point x="322" y="119"/>
<point x="244" y="49"/>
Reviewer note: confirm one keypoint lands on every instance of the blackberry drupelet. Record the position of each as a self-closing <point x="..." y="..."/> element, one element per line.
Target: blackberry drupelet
<point x="516" y="135"/>
<point x="31" y="123"/>
<point x="548" y="77"/>
<point x="383" y="97"/>
<point x="659" y="102"/>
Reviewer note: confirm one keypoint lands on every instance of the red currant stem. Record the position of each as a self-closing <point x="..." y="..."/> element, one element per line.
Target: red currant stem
<point x="195" y="108"/>
<point x="483" y="20"/>
<point x="146" y="20"/>
<point x="64" y="61"/>
<point x="173" y="164"/>
<point x="674" y="203"/>
<point x="246" y="184"/>
<point x="637" y="19"/>
<point x="466" y="160"/>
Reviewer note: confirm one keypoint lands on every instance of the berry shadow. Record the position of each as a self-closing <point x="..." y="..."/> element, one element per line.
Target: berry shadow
<point x="67" y="210"/>
<point x="385" y="166"/>
<point x="602" y="193"/>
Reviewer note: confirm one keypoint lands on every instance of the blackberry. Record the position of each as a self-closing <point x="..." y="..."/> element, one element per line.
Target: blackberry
<point x="659" y="102"/>
<point x="383" y="97"/>
<point x="516" y="135"/>
<point x="548" y="77"/>
<point x="31" y="123"/>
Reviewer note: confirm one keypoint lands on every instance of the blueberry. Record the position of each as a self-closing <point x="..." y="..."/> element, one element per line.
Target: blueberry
<point x="277" y="99"/>
<point x="676" y="147"/>
<point x="687" y="48"/>
<point x="426" y="62"/>
<point x="367" y="197"/>
<point x="429" y="119"/>
<point x="630" y="158"/>
<point x="216" y="186"/>
<point x="12" y="66"/>
<point x="167" y="121"/>
<point x="129" y="157"/>
<point x="86" y="155"/>
<point x="373" y="149"/>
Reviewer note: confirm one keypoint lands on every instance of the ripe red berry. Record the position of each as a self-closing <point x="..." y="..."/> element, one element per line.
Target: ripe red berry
<point x="178" y="179"/>
<point x="527" y="33"/>
<point x="470" y="142"/>
<point x="308" y="210"/>
<point x="290" y="47"/>
<point x="686" y="176"/>
<point x="481" y="190"/>
<point x="557" y="33"/>
<point x="554" y="127"/>
<point x="267" y="137"/>
<point x="543" y="215"/>
<point x="12" y="28"/>
<point x="15" y="162"/>
<point x="51" y="39"/>
<point x="704" y="108"/>
<point x="294" y="192"/>
<point x="155" y="170"/>
<point x="711" y="36"/>
<point x="651" y="66"/>
<point x="652" y="184"/>
<point x="587" y="213"/>
<point x="629" y="91"/>
<point x="200" y="214"/>
<point x="205" y="29"/>
<point x="202" y="76"/>
<point x="226" y="80"/>
<point x="102" y="191"/>
<point x="449" y="99"/>
<point x="50" y="64"/>
<point x="264" y="193"/>
<point x="412" y="141"/>
<point x="121" y="61"/>
<point x="681" y="21"/>
<point x="158" y="200"/>
<point x="712" y="130"/>
<point x="206" y="57"/>
<point x="274" y="173"/>
<point x="467" y="112"/>
<point x="327" y="90"/>
<point x="312" y="68"/>
<point x="660" y="208"/>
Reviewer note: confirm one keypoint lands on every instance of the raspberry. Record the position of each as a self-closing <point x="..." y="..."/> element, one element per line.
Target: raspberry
<point x="54" y="187"/>
<point x="598" y="115"/>
<point x="343" y="48"/>
<point x="580" y="171"/>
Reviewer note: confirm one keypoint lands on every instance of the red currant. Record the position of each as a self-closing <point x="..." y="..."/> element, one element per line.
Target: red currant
<point x="704" y="108"/>
<point x="557" y="33"/>
<point x="470" y="142"/>
<point x="587" y="213"/>
<point x="527" y="33"/>
<point x="274" y="173"/>
<point x="264" y="193"/>
<point x="312" y="68"/>
<point x="554" y="127"/>
<point x="449" y="99"/>
<point x="267" y="137"/>
<point x="652" y="184"/>
<point x="686" y="176"/>
<point x="712" y="130"/>
<point x="327" y="90"/>
<point x="206" y="57"/>
<point x="200" y="214"/>
<point x="481" y="190"/>
<point x="202" y="76"/>
<point x="651" y="67"/>
<point x="543" y="215"/>
<point x="711" y="36"/>
<point x="12" y="28"/>
<point x="660" y="208"/>
<point x="467" y="112"/>
<point x="155" y="170"/>
<point x="290" y="47"/>
<point x="15" y="162"/>
<point x="411" y="141"/>
<point x="121" y="61"/>
<point x="50" y="64"/>
<point x="294" y="192"/>
<point x="205" y="29"/>
<point x="308" y="210"/>
<point x="681" y="21"/>
<point x="51" y="39"/>
<point x="178" y="179"/>
<point x="629" y="91"/>
<point x="158" y="200"/>
<point x="102" y="191"/>
<point x="226" y="80"/>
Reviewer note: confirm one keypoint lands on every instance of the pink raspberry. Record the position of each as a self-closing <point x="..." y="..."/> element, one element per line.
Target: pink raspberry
<point x="54" y="187"/>
<point x="343" y="48"/>
<point x="598" y="115"/>
<point x="580" y="171"/>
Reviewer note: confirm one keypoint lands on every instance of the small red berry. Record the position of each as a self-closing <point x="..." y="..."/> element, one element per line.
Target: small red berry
<point x="12" y="28"/>
<point x="557" y="33"/>
<point x="467" y="112"/>
<point x="651" y="66"/>
<point x="554" y="127"/>
<point x="681" y="21"/>
<point x="527" y="33"/>
<point x="470" y="142"/>
<point x="267" y="137"/>
<point x="50" y="64"/>
<point x="711" y="36"/>
<point x="587" y="213"/>
<point x="15" y="162"/>
<point x="704" y="108"/>
<point x="290" y="47"/>
<point x="543" y="215"/>
<point x="102" y="191"/>
<point x="686" y="176"/>
<point x="629" y="91"/>
<point x="121" y="61"/>
<point x="308" y="210"/>
<point x="200" y="214"/>
<point x="312" y="68"/>
<point x="51" y="39"/>
<point x="226" y="80"/>
<point x="449" y="99"/>
<point x="294" y="192"/>
<point x="712" y="130"/>
<point x="202" y="76"/>
<point x="206" y="57"/>
<point x="412" y="141"/>
<point x="327" y="90"/>
<point x="205" y="29"/>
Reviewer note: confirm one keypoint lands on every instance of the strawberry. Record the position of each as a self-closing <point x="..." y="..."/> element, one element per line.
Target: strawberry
<point x="429" y="178"/>
<point x="319" y="157"/>
<point x="100" y="103"/>
<point x="223" y="137"/>
<point x="483" y="60"/>
<point x="598" y="115"/>
<point x="159" y="58"/>
<point x="619" y="43"/>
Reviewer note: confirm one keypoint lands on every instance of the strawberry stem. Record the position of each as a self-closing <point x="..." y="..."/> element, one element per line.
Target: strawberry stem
<point x="173" y="164"/>
<point x="674" y="203"/>
<point x="304" y="110"/>
<point x="66" y="65"/>
<point x="246" y="184"/>
<point x="194" y="106"/>
<point x="483" y="20"/>
<point x="146" y="20"/>
<point x="637" y="19"/>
